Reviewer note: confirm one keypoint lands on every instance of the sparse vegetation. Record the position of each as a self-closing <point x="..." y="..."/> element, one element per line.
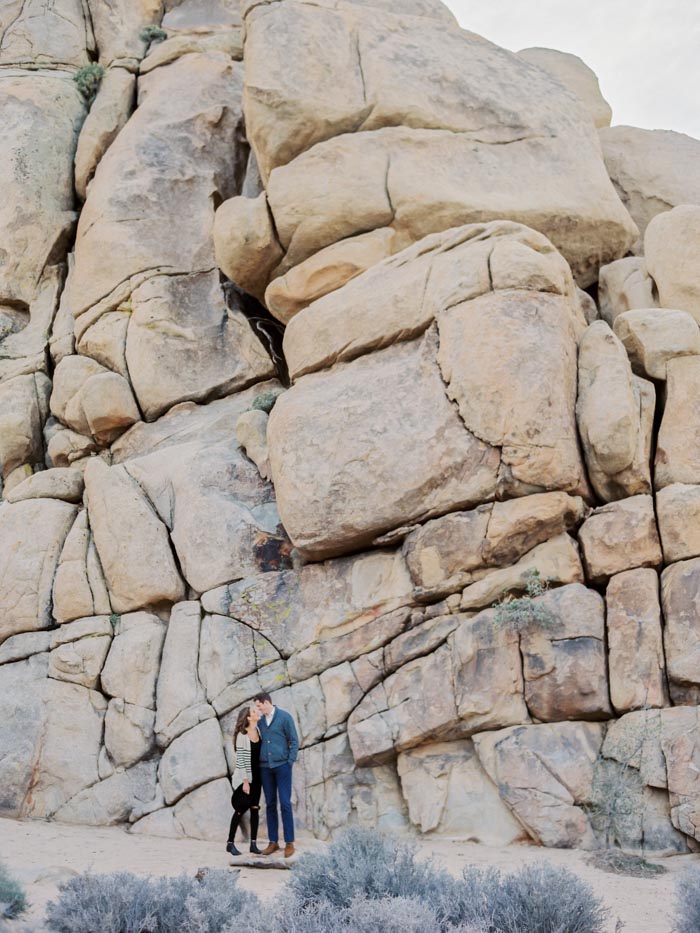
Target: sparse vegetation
<point x="114" y="620"/>
<point x="89" y="79"/>
<point x="617" y="862"/>
<point x="265" y="402"/>
<point x="151" y="34"/>
<point x="13" y="900"/>
<point x="523" y="612"/>
<point x="125" y="903"/>
<point x="688" y="907"/>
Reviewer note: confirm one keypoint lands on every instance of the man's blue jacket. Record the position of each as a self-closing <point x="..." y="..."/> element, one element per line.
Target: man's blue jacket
<point x="280" y="743"/>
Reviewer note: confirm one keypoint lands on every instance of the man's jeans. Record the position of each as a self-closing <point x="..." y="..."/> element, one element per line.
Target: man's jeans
<point x="278" y="782"/>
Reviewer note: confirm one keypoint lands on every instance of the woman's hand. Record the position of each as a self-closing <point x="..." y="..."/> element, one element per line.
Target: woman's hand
<point x="246" y="787"/>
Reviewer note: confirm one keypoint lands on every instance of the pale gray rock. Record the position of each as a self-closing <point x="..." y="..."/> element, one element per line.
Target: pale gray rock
<point x="678" y="443"/>
<point x="201" y="814"/>
<point x="129" y="734"/>
<point x="116" y="799"/>
<point x="192" y="759"/>
<point x="229" y="650"/>
<point x="652" y="170"/>
<point x="652" y="337"/>
<point x="678" y="517"/>
<point x="575" y="75"/>
<point x="80" y="661"/>
<point x="22" y="692"/>
<point x="117" y="25"/>
<point x="671" y="245"/>
<point x="132" y="542"/>
<point x="131" y="669"/>
<point x="414" y="412"/>
<point x="180" y="696"/>
<point x="91" y="627"/>
<point x="625" y="285"/>
<point x="22" y="646"/>
<point x="679" y="587"/>
<point x="462" y="800"/>
<point x="545" y="774"/>
<point x="79" y="587"/>
<point x="620" y="536"/>
<point x="73" y="724"/>
<point x="564" y="660"/>
<point x="31" y="538"/>
<point x="59" y="483"/>
<point x="24" y="406"/>
<point x="45" y="35"/>
<point x="635" y="641"/>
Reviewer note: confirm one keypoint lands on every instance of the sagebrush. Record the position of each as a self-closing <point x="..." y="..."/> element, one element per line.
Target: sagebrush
<point x="125" y="903"/>
<point x="688" y="902"/>
<point x="89" y="79"/>
<point x="13" y="900"/>
<point x="387" y="915"/>
<point x="150" y="34"/>
<point x="524" y="612"/>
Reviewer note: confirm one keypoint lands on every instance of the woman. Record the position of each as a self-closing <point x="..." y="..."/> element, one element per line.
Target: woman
<point x="245" y="779"/>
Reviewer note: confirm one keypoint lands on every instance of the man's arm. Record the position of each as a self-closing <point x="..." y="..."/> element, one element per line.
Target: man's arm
<point x="292" y="738"/>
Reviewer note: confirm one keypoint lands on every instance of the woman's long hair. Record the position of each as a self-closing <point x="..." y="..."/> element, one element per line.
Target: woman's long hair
<point x="241" y="725"/>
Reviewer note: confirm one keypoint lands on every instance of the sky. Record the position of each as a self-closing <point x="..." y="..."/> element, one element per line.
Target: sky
<point x="646" y="53"/>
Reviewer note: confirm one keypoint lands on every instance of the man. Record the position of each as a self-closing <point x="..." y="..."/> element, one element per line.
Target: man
<point x="278" y="752"/>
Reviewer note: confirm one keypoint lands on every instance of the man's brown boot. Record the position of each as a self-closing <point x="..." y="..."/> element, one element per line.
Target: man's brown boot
<point x="288" y="849"/>
<point x="270" y="848"/>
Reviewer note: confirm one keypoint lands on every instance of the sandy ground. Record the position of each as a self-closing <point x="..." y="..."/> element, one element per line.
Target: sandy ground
<point x="43" y="854"/>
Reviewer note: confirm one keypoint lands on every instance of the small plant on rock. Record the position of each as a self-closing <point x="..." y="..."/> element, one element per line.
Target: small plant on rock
<point x="264" y="402"/>
<point x="688" y="902"/>
<point x="151" y="34"/>
<point x="89" y="79"/>
<point x="13" y="900"/>
<point x="523" y="612"/>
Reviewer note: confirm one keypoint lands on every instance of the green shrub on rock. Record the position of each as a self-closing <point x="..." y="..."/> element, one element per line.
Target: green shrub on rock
<point x="89" y="79"/>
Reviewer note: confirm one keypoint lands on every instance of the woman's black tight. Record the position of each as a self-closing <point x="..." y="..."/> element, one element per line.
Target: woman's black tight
<point x="236" y="821"/>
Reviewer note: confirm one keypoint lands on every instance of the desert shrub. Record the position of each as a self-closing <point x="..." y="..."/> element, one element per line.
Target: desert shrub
<point x="522" y="612"/>
<point x="150" y="34"/>
<point x="13" y="900"/>
<point x="361" y="863"/>
<point x="88" y="80"/>
<point x="616" y="862"/>
<point x="541" y="898"/>
<point x="265" y="402"/>
<point x="688" y="902"/>
<point x="125" y="903"/>
<point x="363" y="915"/>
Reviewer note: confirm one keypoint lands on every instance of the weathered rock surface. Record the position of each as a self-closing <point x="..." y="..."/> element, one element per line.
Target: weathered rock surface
<point x="678" y="443"/>
<point x="575" y="75"/>
<point x="463" y="799"/>
<point x="635" y="644"/>
<point x="564" y="662"/>
<point x="131" y="668"/>
<point x="625" y="285"/>
<point x="679" y="583"/>
<point x="652" y="170"/>
<point x="192" y="759"/>
<point x="24" y="404"/>
<point x="671" y="246"/>
<point x="31" y="537"/>
<point x="678" y="517"/>
<point x="620" y="536"/>
<point x="653" y="337"/>
<point x="132" y="542"/>
<point x="545" y="774"/>
<point x="383" y="106"/>
<point x="22" y="691"/>
<point x="79" y="587"/>
<point x="59" y="483"/>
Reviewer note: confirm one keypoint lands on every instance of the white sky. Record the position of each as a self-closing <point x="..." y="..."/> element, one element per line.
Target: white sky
<point x="646" y="53"/>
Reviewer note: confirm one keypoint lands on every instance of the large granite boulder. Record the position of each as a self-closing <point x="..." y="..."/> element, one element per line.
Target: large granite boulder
<point x="575" y="75"/>
<point x="679" y="588"/>
<point x="671" y="248"/>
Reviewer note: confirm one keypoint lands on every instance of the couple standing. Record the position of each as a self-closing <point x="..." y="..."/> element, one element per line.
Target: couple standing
<point x="266" y="745"/>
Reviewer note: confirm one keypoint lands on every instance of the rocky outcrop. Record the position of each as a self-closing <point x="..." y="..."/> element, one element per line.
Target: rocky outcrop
<point x="316" y="404"/>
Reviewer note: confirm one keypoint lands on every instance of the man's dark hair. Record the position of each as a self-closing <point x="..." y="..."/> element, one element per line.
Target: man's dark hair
<point x="262" y="697"/>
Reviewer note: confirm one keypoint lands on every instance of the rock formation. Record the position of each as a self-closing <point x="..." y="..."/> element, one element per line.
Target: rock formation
<point x="300" y="391"/>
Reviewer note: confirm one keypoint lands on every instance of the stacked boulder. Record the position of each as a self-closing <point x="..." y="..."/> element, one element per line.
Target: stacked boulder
<point x="196" y="509"/>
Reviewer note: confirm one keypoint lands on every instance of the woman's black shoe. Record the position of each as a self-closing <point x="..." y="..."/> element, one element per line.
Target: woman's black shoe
<point x="254" y="848"/>
<point x="231" y="848"/>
